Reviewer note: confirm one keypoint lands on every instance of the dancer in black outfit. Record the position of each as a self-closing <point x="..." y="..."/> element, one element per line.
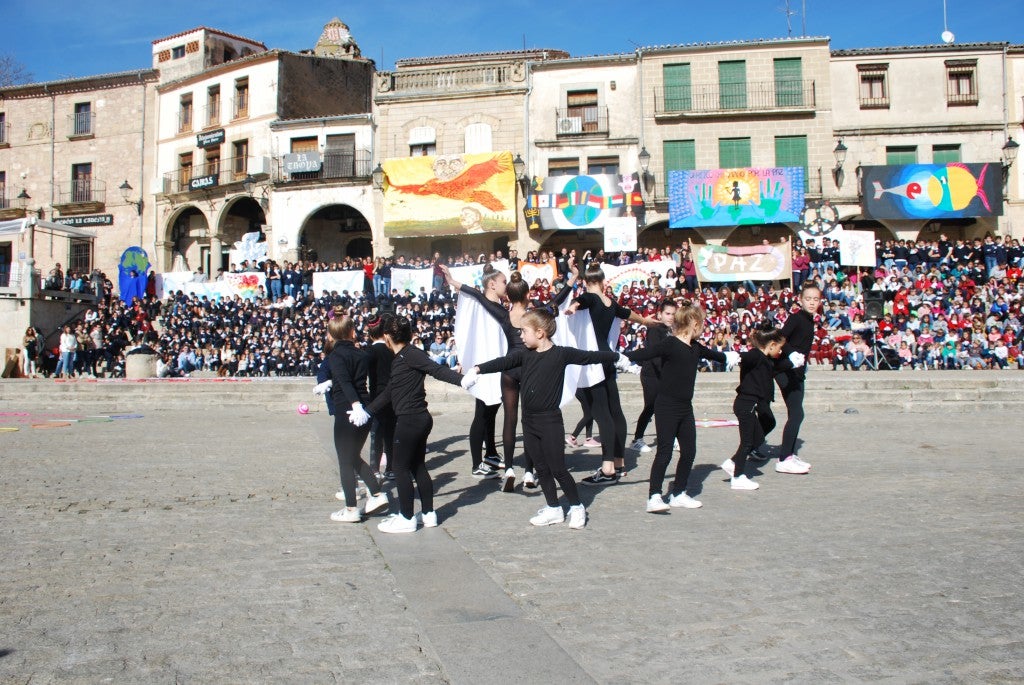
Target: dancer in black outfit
<point x="382" y="434"/>
<point x="611" y="422"/>
<point x="757" y="368"/>
<point x="349" y="368"/>
<point x="650" y="371"/>
<point x="543" y="373"/>
<point x="680" y="355"/>
<point x="799" y="333"/>
<point x="406" y="395"/>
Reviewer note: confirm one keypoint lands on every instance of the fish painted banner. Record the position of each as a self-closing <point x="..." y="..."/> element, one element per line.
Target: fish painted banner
<point x="449" y="195"/>
<point x="735" y="197"/>
<point x="933" y="191"/>
<point x="722" y="263"/>
<point x="571" y="203"/>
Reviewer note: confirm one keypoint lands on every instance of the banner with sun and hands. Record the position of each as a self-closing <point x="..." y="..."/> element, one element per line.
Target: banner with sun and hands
<point x="449" y="195"/>
<point x="735" y="197"/>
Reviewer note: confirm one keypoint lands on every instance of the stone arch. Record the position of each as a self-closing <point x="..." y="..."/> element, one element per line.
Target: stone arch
<point x="186" y="231"/>
<point x="332" y="232"/>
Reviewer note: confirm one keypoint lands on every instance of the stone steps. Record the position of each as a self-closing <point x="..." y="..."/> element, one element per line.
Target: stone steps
<point x="911" y="391"/>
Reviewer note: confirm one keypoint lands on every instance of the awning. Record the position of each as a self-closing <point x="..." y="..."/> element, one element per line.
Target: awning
<point x="19" y="226"/>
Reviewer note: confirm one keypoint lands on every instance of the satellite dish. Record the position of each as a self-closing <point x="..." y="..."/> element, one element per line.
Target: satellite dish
<point x="948" y="37"/>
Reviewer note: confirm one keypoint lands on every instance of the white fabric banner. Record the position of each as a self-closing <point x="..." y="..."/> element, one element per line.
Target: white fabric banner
<point x="412" y="280"/>
<point x="337" y="281"/>
<point x="245" y="285"/>
<point x="479" y="338"/>
<point x="856" y="248"/>
<point x="619" y="277"/>
<point x="620" y="234"/>
<point x="471" y="274"/>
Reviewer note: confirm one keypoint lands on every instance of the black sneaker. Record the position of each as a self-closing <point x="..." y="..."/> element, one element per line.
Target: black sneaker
<point x="757" y="455"/>
<point x="494" y="461"/>
<point x="484" y="471"/>
<point x="389" y="475"/>
<point x="620" y="472"/>
<point x="601" y="478"/>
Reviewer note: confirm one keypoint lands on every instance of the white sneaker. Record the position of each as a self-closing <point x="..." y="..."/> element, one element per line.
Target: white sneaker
<point x="508" y="481"/>
<point x="656" y="504"/>
<point x="675" y="445"/>
<point x="791" y="465"/>
<point x="397" y="524"/>
<point x="802" y="462"/>
<point x="340" y="494"/>
<point x="347" y="515"/>
<point x="548" y="516"/>
<point x="685" y="501"/>
<point x="743" y="483"/>
<point x="729" y="466"/>
<point x="376" y="504"/>
<point x="640" y="446"/>
<point x="577" y="516"/>
<point x="529" y="480"/>
<point x="427" y="520"/>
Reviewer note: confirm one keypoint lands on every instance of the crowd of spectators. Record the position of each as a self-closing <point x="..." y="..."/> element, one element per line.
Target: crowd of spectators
<point x="939" y="304"/>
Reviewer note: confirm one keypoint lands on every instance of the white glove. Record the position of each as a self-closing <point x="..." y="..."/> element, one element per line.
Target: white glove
<point x="357" y="416"/>
<point x="634" y="369"/>
<point x="322" y="388"/>
<point x="731" y="359"/>
<point x="469" y="379"/>
<point x="796" y="359"/>
<point x="623" y="363"/>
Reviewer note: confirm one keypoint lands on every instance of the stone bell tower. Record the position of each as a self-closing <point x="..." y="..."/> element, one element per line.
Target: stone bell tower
<point x="336" y="41"/>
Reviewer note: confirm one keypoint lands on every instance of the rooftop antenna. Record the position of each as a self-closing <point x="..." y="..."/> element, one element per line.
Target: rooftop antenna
<point x="947" y="35"/>
<point x="803" y="18"/>
<point x="789" y="12"/>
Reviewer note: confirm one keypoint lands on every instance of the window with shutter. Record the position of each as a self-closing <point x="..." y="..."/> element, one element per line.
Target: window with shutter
<point x="732" y="85"/>
<point x="734" y="153"/>
<point x="478" y="138"/>
<point x="789" y="82"/>
<point x="792" y="151"/>
<point x="678" y="89"/>
<point x="679" y="155"/>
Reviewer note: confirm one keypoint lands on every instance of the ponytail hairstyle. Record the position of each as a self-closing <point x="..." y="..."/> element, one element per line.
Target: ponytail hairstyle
<point x="341" y="328"/>
<point x="488" y="275"/>
<point x="766" y="333"/>
<point x="375" y="329"/>
<point x="541" y="319"/>
<point x="687" y="318"/>
<point x="517" y="289"/>
<point x="399" y="329"/>
<point x="593" y="274"/>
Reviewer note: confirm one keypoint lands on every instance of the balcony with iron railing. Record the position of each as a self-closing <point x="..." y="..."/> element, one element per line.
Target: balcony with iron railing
<point x="211" y="115"/>
<point x="734" y="99"/>
<point x="240" y="105"/>
<point x="340" y="166"/>
<point x="4" y="202"/>
<point x="4" y="134"/>
<point x="185" y="117"/>
<point x="81" y="125"/>
<point x="80" y="195"/>
<point x="581" y="121"/>
<point x="209" y="175"/>
<point x="447" y="81"/>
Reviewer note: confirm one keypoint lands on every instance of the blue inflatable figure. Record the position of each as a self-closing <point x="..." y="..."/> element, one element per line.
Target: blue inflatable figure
<point x="132" y="270"/>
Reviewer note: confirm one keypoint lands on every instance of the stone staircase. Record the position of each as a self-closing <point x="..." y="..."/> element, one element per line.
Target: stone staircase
<point x="906" y="391"/>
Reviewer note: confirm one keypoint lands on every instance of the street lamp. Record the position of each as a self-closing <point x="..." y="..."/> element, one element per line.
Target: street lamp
<point x="126" y="194"/>
<point x="837" y="172"/>
<point x="23" y="198"/>
<point x="378" y="177"/>
<point x="645" y="165"/>
<point x="249" y="184"/>
<point x="519" y="169"/>
<point x="1010" y="151"/>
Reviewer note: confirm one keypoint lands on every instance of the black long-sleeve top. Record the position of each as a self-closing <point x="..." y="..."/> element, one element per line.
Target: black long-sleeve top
<point x="349" y="369"/>
<point x="757" y="376"/>
<point x="381" y="358"/>
<point x="655" y="334"/>
<point x="405" y="392"/>
<point x="679" y="366"/>
<point x="602" y="316"/>
<point x="543" y="373"/>
<point x="799" y="333"/>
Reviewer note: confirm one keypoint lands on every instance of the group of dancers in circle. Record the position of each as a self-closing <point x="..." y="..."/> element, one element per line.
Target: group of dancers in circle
<point x="541" y="368"/>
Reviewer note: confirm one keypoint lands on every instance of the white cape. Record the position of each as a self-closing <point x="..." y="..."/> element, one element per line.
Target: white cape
<point x="578" y="331"/>
<point x="479" y="338"/>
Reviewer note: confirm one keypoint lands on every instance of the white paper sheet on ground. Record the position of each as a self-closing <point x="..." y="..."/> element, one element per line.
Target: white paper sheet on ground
<point x="479" y="338"/>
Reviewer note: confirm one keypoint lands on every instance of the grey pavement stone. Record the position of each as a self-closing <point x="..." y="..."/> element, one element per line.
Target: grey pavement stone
<point x="194" y="546"/>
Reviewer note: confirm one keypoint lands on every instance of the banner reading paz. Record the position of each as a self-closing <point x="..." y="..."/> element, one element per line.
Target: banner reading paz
<point x="723" y="264"/>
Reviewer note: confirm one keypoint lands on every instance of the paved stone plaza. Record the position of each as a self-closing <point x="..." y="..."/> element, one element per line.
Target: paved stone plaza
<point x="194" y="546"/>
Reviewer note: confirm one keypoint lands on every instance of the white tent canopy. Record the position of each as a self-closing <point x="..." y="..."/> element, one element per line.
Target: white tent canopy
<point x="19" y="226"/>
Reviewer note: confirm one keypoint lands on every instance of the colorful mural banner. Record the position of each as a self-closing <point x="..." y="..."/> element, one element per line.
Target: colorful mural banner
<point x="338" y="281"/>
<point x="723" y="264"/>
<point x="245" y="285"/>
<point x="932" y="191"/>
<point x="620" y="277"/>
<point x="449" y="195"/>
<point x="735" y="197"/>
<point x="620" y="234"/>
<point x="572" y="203"/>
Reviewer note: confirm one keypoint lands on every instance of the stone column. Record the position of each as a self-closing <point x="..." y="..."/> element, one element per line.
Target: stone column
<point x="215" y="255"/>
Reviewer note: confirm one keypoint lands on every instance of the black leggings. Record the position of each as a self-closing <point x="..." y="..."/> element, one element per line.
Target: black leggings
<point x="411" y="431"/>
<point x="611" y="422"/>
<point x="673" y="421"/>
<point x="510" y="403"/>
<point x="650" y="386"/>
<point x="748" y="413"/>
<point x="382" y="438"/>
<point x="348" y="443"/>
<point x="586" y="399"/>
<point x="793" y="395"/>
<point x="481" y="431"/>
<point x="543" y="435"/>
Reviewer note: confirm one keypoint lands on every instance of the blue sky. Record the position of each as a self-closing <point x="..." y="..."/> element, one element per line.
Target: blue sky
<point x="69" y="39"/>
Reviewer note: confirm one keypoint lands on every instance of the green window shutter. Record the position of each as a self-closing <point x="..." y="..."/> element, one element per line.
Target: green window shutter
<point x="900" y="155"/>
<point x="732" y="85"/>
<point x="734" y="153"/>
<point x="792" y="151"/>
<point x="679" y="155"/>
<point x="678" y="93"/>
<point x="789" y="82"/>
<point x="945" y="154"/>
